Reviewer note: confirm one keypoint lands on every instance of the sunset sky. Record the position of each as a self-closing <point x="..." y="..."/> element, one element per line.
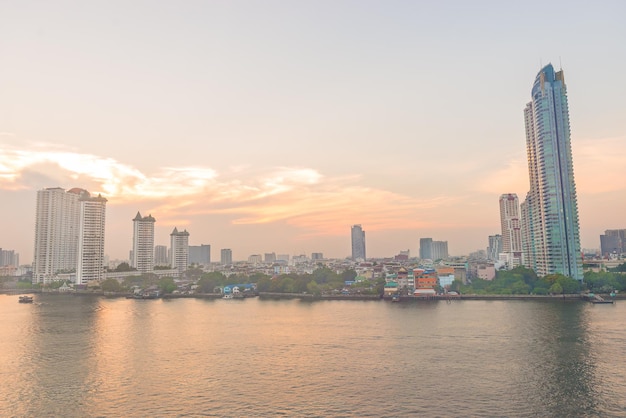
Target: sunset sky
<point x="273" y="126"/>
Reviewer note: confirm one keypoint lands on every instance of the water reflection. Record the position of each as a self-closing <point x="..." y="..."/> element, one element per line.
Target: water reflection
<point x="560" y="378"/>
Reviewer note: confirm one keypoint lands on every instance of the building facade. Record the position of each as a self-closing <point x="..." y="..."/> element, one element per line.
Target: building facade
<point x="426" y="248"/>
<point x="142" y="256"/>
<point x="511" y="230"/>
<point x="495" y="247"/>
<point x="160" y="256"/>
<point x="358" y="243"/>
<point x="613" y="242"/>
<point x="439" y="250"/>
<point x="551" y="240"/>
<point x="57" y="223"/>
<point x="226" y="256"/>
<point x="91" y="239"/>
<point x="200" y="254"/>
<point x="179" y="250"/>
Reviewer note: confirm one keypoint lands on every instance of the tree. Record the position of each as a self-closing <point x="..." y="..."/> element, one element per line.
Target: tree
<point x="111" y="285"/>
<point x="556" y="288"/>
<point x="167" y="285"/>
<point x="314" y="288"/>
<point x="124" y="267"/>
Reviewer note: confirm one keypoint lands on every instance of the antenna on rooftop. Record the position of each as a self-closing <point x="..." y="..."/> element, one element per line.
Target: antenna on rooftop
<point x="560" y="64"/>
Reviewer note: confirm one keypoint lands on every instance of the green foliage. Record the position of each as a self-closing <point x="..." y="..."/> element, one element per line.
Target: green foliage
<point x="519" y="281"/>
<point x="313" y="288"/>
<point x="111" y="285"/>
<point x="167" y="285"/>
<point x="124" y="267"/>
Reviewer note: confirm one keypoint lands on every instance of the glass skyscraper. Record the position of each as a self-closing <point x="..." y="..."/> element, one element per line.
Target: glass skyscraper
<point x="358" y="243"/>
<point x="551" y="240"/>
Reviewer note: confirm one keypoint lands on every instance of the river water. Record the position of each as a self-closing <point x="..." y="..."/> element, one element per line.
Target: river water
<point x="84" y="356"/>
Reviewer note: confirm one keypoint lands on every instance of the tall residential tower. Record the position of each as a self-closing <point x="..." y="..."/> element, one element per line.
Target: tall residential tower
<point x="550" y="239"/>
<point x="358" y="243"/>
<point x="143" y="243"/>
<point x="511" y="233"/>
<point x="91" y="239"/>
<point x="179" y="247"/>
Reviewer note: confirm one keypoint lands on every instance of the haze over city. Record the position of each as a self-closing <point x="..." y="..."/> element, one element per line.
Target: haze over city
<point x="274" y="126"/>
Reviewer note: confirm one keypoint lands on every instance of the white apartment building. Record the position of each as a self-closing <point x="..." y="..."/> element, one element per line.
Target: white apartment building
<point x="179" y="244"/>
<point x="91" y="239"/>
<point x="143" y="243"/>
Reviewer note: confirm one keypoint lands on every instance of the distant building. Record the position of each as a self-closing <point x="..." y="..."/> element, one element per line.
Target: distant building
<point x="439" y="250"/>
<point x="613" y="242"/>
<point x="91" y="239"/>
<point x="226" y="256"/>
<point x="495" y="247"/>
<point x="179" y="250"/>
<point x="160" y="255"/>
<point x="269" y="257"/>
<point x="358" y="243"/>
<point x="283" y="257"/>
<point x="255" y="259"/>
<point x="317" y="256"/>
<point x="143" y="243"/>
<point x="9" y="258"/>
<point x="426" y="248"/>
<point x="511" y="233"/>
<point x="200" y="254"/>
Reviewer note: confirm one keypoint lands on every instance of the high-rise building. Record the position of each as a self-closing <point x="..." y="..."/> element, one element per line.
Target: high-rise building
<point x="317" y="256"/>
<point x="200" y="254"/>
<point x="9" y="258"/>
<point x="226" y="256"/>
<point x="511" y="233"/>
<point x="269" y="257"/>
<point x="57" y="223"/>
<point x="426" y="248"/>
<point x="160" y="255"/>
<point x="179" y="247"/>
<point x="439" y="250"/>
<point x="91" y="239"/>
<point x="358" y="243"/>
<point x="613" y="242"/>
<point x="143" y="243"/>
<point x="495" y="247"/>
<point x="550" y="238"/>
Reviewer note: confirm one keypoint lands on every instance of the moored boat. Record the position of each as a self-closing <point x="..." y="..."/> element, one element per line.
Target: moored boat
<point x="25" y="299"/>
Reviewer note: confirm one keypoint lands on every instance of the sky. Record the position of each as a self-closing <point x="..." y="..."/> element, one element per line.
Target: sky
<point x="273" y="126"/>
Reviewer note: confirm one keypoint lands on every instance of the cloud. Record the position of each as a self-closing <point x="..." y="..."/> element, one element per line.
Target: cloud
<point x="299" y="196"/>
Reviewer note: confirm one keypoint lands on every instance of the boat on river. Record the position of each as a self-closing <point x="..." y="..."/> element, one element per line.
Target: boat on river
<point x="25" y="299"/>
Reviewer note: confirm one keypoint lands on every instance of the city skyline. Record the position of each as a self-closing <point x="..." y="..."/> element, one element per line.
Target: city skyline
<point x="274" y="127"/>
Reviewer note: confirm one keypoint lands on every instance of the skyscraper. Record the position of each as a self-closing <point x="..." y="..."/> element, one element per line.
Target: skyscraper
<point x="226" y="256"/>
<point x="511" y="234"/>
<point x="143" y="243"/>
<point x="495" y="247"/>
<point x="551" y="241"/>
<point x="91" y="239"/>
<point x="426" y="248"/>
<point x="179" y="245"/>
<point x="57" y="223"/>
<point x="358" y="243"/>
<point x="160" y="255"/>
<point x="200" y="254"/>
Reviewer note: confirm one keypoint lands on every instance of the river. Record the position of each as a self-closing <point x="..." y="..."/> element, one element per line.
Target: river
<point x="84" y="356"/>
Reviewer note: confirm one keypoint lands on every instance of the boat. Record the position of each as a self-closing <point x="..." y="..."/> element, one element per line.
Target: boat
<point x="395" y="298"/>
<point x="25" y="299"/>
<point x="228" y="296"/>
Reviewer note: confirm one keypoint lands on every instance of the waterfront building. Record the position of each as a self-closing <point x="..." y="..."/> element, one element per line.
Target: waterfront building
<point x="179" y="250"/>
<point x="511" y="233"/>
<point x="200" y="254"/>
<point x="550" y="238"/>
<point x="57" y="222"/>
<point x="160" y="255"/>
<point x="90" y="260"/>
<point x="358" y="243"/>
<point x="226" y="256"/>
<point x="142" y="256"/>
